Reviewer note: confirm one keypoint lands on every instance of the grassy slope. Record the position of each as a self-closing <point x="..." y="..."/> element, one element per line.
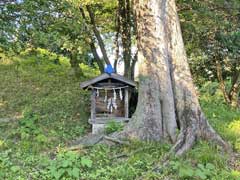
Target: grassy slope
<point x="47" y="90"/>
<point x="34" y="89"/>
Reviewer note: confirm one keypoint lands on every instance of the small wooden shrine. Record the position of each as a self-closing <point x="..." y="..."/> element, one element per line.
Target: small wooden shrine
<point x="109" y="99"/>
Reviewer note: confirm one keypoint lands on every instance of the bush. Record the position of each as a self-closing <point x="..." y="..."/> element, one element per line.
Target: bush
<point x="113" y="126"/>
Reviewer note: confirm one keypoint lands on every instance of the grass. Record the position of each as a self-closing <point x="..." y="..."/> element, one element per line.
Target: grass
<point x="50" y="110"/>
<point x="226" y="121"/>
<point x="34" y="83"/>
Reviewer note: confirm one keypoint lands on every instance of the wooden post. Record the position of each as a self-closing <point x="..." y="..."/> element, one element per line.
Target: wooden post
<point x="126" y="102"/>
<point x="93" y="105"/>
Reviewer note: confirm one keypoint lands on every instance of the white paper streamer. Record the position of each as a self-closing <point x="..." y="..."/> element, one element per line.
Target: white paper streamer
<point x="105" y="99"/>
<point x="120" y="94"/>
<point x="109" y="103"/>
<point x="97" y="93"/>
<point x="114" y="94"/>
<point x="114" y="104"/>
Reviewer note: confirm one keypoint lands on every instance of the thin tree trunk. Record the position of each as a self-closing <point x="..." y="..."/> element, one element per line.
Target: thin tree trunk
<point x="134" y="61"/>
<point x="125" y="21"/>
<point x="98" y="35"/>
<point x="92" y="45"/>
<point x="221" y="82"/>
<point x="234" y="91"/>
<point x="231" y="96"/>
<point x="166" y="91"/>
<point x="116" y="42"/>
<point x="96" y="57"/>
<point x="77" y="71"/>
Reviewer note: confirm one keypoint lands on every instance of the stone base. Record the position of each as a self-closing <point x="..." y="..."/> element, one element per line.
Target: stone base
<point x="98" y="124"/>
<point x="98" y="128"/>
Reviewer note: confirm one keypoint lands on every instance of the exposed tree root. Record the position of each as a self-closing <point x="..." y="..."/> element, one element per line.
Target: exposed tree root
<point x="86" y="141"/>
<point x="116" y="140"/>
<point x="210" y="134"/>
<point x="188" y="136"/>
<point x="93" y="139"/>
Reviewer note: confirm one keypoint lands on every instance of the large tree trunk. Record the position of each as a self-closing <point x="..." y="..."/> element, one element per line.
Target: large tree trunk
<point x="167" y="96"/>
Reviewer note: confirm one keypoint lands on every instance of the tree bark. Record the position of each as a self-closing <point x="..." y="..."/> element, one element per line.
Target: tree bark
<point x="134" y="61"/>
<point x="125" y="21"/>
<point x="167" y="96"/>
<point x="116" y="41"/>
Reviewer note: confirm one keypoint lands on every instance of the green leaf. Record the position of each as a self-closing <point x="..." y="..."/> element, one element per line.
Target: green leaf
<point x="65" y="163"/>
<point x="183" y="172"/>
<point x="201" y="166"/>
<point x="210" y="166"/>
<point x="15" y="168"/>
<point x="58" y="174"/>
<point x="86" y="162"/>
<point x="200" y="174"/>
<point x="75" y="172"/>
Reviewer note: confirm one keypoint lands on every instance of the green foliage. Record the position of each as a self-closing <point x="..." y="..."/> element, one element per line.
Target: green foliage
<point x="45" y="100"/>
<point x="113" y="126"/>
<point x="51" y="110"/>
<point x="69" y="165"/>
<point x="28" y="125"/>
<point x="54" y="25"/>
<point x="234" y="129"/>
<point x="199" y="171"/>
<point x="224" y="119"/>
<point x="211" y="32"/>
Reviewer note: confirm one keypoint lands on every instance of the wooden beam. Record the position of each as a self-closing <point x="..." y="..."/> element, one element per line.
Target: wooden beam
<point x="106" y="76"/>
<point x="126" y="102"/>
<point x="93" y="104"/>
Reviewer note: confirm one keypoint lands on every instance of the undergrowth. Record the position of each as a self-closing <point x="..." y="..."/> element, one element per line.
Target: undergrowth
<point x="50" y="110"/>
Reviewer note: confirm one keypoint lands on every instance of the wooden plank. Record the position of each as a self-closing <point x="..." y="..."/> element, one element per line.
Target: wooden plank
<point x="126" y="108"/>
<point x="101" y="106"/>
<point x="93" y="104"/>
